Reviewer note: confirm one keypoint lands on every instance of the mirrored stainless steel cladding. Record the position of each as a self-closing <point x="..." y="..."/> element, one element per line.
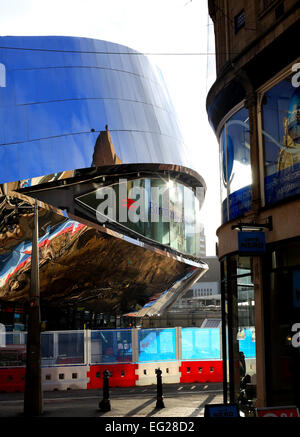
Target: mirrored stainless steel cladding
<point x="76" y="115"/>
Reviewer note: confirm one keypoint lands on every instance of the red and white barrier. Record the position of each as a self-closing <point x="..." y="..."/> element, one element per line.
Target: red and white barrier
<point x="64" y="378"/>
<point x="122" y="375"/>
<point x="12" y="379"/>
<point x="147" y="376"/>
<point x="201" y="371"/>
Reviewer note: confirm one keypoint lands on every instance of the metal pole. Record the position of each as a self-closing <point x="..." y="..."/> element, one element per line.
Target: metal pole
<point x="159" y="401"/>
<point x="33" y="397"/>
<point x="104" y="405"/>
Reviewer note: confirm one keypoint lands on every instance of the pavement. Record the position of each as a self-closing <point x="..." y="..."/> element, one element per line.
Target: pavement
<point x="133" y="412"/>
<point x="180" y="400"/>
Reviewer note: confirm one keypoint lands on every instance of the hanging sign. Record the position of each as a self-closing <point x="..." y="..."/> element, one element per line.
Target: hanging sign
<point x="252" y="242"/>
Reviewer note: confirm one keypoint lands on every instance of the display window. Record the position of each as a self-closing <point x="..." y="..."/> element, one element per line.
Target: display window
<point x="235" y="168"/>
<point x="280" y="109"/>
<point x="239" y="342"/>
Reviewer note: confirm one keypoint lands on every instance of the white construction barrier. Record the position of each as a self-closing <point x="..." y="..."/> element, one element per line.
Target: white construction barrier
<point x="147" y="376"/>
<point x="65" y="378"/>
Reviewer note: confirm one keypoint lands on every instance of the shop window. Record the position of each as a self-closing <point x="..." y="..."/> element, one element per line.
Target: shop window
<point x="281" y="141"/>
<point x="283" y="303"/>
<point x="235" y="168"/>
<point x="239" y="346"/>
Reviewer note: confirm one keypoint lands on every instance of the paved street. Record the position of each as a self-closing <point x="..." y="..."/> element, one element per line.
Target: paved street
<point x="180" y="400"/>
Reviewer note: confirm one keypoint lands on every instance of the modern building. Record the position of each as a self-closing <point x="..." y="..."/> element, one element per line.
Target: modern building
<point x="88" y="133"/>
<point x="253" y="107"/>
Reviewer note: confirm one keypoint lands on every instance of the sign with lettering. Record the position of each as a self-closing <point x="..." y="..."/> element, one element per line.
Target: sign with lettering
<point x="221" y="410"/>
<point x="252" y="242"/>
<point x="277" y="412"/>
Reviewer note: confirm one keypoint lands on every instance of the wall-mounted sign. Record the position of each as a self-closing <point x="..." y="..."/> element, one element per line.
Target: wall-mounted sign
<point x="251" y="242"/>
<point x="221" y="410"/>
<point x="277" y="412"/>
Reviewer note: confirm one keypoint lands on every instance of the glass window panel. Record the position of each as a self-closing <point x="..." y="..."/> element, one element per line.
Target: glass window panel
<point x="281" y="137"/>
<point x="177" y="222"/>
<point x="189" y="221"/>
<point x="235" y="166"/>
<point x="160" y="229"/>
<point x="162" y="210"/>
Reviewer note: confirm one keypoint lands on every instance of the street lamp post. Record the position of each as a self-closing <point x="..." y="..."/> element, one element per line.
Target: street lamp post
<point x="33" y="398"/>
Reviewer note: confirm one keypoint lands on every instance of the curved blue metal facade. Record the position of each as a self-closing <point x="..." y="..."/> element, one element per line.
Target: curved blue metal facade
<point x="60" y="92"/>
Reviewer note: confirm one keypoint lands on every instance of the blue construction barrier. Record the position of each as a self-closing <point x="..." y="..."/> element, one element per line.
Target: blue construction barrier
<point x="200" y="344"/>
<point x="157" y="344"/>
<point x="111" y="346"/>
<point x="127" y="345"/>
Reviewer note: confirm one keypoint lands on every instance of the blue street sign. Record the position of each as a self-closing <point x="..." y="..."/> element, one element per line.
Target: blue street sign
<point x="221" y="410"/>
<point x="252" y="242"/>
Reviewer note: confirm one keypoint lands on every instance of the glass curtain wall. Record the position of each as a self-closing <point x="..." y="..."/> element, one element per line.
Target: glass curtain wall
<point x="163" y="210"/>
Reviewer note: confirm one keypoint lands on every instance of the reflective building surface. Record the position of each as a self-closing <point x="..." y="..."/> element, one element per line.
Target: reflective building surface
<point x="61" y="92"/>
<point x="88" y="129"/>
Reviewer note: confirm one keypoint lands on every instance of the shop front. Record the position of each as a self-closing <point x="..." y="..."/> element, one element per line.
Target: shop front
<point x="259" y="143"/>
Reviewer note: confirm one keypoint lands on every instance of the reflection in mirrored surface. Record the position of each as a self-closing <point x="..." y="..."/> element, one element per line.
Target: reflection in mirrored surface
<point x="117" y="274"/>
<point x="62" y="91"/>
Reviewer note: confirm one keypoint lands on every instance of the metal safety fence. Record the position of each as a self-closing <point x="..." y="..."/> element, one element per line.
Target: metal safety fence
<point x="114" y="346"/>
<point x="135" y="345"/>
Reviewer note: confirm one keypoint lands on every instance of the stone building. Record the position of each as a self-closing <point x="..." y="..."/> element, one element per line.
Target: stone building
<point x="254" y="110"/>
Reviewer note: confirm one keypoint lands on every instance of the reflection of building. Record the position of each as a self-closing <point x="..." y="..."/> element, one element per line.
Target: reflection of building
<point x="253" y="107"/>
<point x="83" y="121"/>
<point x="201" y="304"/>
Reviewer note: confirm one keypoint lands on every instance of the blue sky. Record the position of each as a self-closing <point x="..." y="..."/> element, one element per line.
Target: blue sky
<point x="149" y="26"/>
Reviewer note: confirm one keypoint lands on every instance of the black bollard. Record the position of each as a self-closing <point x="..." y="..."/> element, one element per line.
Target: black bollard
<point x="104" y="405"/>
<point x="159" y="401"/>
